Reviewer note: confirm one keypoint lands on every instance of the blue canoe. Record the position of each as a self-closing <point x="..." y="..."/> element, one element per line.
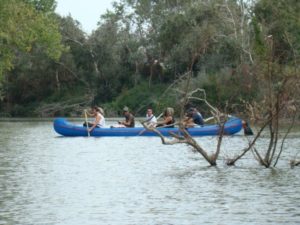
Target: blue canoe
<point x="65" y="128"/>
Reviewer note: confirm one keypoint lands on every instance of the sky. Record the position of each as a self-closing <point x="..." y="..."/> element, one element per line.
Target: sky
<point x="87" y="12"/>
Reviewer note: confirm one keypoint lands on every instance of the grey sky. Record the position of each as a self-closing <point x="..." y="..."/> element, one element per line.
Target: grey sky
<point x="87" y="12"/>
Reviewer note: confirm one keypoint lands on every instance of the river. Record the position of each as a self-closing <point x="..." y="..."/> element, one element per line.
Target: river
<point x="49" y="179"/>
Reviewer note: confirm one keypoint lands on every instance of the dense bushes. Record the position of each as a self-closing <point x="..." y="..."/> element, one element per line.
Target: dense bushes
<point x="137" y="52"/>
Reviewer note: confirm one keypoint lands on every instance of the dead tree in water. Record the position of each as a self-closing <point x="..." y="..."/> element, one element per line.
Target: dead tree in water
<point x="273" y="153"/>
<point x="186" y="138"/>
<point x="280" y="85"/>
<point x="268" y="119"/>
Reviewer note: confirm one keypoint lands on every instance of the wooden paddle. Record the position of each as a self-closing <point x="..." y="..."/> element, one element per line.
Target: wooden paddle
<point x="143" y="131"/>
<point x="208" y="119"/>
<point x="86" y="123"/>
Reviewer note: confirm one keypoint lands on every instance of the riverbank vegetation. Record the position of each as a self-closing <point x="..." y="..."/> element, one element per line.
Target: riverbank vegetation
<point x="244" y="54"/>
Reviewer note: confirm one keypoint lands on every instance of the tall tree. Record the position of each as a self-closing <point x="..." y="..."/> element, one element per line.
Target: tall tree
<point x="281" y="20"/>
<point x="25" y="25"/>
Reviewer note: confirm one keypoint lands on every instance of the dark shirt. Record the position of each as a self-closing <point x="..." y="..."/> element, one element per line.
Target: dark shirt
<point x="247" y="129"/>
<point x="197" y="118"/>
<point x="129" y="118"/>
<point x="170" y="124"/>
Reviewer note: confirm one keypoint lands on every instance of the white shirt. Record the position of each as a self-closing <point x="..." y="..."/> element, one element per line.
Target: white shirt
<point x="151" y="119"/>
<point x="101" y="123"/>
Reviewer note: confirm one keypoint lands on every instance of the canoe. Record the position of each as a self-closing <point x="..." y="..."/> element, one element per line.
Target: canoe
<point x="63" y="127"/>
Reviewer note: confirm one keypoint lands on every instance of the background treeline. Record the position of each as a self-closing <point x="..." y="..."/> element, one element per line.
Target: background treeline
<point x="140" y="52"/>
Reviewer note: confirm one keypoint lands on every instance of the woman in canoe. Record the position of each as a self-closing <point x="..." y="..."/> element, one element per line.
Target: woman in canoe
<point x="99" y="121"/>
<point x="168" y="119"/>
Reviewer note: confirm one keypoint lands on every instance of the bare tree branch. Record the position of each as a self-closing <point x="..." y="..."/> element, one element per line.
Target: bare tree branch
<point x="231" y="162"/>
<point x="284" y="138"/>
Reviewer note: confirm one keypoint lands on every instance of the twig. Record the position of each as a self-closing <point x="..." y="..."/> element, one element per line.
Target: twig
<point x="284" y="138"/>
<point x="245" y="150"/>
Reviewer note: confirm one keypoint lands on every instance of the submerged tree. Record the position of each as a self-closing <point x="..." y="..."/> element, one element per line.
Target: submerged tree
<point x="277" y="86"/>
<point x="186" y="96"/>
<point x="276" y="49"/>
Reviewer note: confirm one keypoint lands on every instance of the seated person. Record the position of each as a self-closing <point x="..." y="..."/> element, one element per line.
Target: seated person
<point x="247" y="128"/>
<point x="168" y="119"/>
<point x="197" y="117"/>
<point x="129" y="119"/>
<point x="150" y="118"/>
<point x="99" y="121"/>
<point x="193" y="118"/>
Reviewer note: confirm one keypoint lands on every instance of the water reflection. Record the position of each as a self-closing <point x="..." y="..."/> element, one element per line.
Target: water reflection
<point x="46" y="179"/>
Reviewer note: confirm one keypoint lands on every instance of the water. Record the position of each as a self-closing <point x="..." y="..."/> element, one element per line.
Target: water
<point x="48" y="179"/>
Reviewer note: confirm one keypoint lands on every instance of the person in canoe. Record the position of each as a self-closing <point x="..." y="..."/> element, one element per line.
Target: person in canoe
<point x="247" y="128"/>
<point x="168" y="119"/>
<point x="193" y="118"/>
<point x="99" y="121"/>
<point x="150" y="118"/>
<point x="129" y="119"/>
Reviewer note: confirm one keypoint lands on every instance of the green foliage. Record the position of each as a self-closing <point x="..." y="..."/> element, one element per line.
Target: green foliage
<point x="167" y="37"/>
<point x="23" y="28"/>
<point x="259" y="43"/>
<point x="139" y="98"/>
<point x="281" y="20"/>
<point x="142" y="47"/>
<point x="44" y="6"/>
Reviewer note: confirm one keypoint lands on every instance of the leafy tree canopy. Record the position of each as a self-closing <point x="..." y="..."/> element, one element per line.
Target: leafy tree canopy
<point x="25" y="25"/>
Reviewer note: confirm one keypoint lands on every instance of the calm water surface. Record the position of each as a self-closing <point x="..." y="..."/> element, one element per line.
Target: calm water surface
<point x="48" y="179"/>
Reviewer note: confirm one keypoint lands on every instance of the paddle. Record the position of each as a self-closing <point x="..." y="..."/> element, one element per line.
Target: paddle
<point x="160" y="116"/>
<point x="86" y="123"/>
<point x="208" y="119"/>
<point x="143" y="131"/>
